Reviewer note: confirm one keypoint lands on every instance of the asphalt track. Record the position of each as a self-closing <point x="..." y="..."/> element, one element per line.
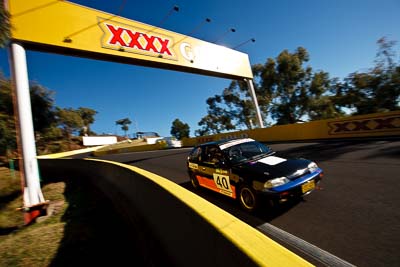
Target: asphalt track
<point x="355" y="216"/>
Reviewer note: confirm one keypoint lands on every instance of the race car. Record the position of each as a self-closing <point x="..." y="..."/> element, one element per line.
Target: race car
<point x="250" y="172"/>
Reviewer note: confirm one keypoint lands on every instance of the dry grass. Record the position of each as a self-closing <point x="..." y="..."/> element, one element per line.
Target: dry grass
<point x="10" y="200"/>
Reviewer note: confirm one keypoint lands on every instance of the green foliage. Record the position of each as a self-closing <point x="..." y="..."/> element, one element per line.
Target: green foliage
<point x="290" y="91"/>
<point x="320" y="103"/>
<point x="124" y="124"/>
<point x="8" y="141"/>
<point x="69" y="120"/>
<point x="87" y="115"/>
<point x="6" y="102"/>
<point x="289" y="81"/>
<point x="285" y="88"/>
<point x="376" y="90"/>
<point x="180" y="129"/>
<point x="42" y="103"/>
<point x="51" y="123"/>
<point x="5" y="26"/>
<point x="217" y="120"/>
<point x="233" y="109"/>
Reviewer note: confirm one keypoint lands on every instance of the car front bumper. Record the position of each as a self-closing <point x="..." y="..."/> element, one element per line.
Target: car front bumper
<point x="301" y="186"/>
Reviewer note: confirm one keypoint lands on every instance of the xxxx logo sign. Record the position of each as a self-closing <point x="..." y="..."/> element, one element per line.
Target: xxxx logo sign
<point x="136" y="40"/>
<point x="369" y="125"/>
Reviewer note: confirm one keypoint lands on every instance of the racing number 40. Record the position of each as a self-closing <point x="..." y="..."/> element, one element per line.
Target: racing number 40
<point x="222" y="182"/>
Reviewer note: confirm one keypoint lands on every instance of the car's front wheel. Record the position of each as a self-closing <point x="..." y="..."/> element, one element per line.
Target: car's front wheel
<point x="194" y="181"/>
<point x="248" y="198"/>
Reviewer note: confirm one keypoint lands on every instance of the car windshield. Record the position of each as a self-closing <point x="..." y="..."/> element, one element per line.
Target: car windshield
<point x="246" y="151"/>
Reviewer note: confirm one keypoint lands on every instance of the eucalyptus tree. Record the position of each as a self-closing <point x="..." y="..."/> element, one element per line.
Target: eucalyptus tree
<point x="180" y="129"/>
<point x="287" y="79"/>
<point x="87" y="115"/>
<point x="4" y="25"/>
<point x="124" y="124"/>
<point x="321" y="101"/>
<point x="69" y="120"/>
<point x="234" y="108"/>
<point x="377" y="89"/>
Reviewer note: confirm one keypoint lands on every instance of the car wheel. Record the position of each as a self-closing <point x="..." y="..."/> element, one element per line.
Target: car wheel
<point x="248" y="198"/>
<point x="194" y="181"/>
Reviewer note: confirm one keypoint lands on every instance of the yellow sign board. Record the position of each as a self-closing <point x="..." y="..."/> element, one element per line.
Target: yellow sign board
<point x="68" y="28"/>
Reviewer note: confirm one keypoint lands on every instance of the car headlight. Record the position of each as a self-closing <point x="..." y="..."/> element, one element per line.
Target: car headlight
<point x="312" y="167"/>
<point x="276" y="182"/>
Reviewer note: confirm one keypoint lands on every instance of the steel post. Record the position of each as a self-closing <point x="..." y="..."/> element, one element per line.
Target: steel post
<point x="254" y="97"/>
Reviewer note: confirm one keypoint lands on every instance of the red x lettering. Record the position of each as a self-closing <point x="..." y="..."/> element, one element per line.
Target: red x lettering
<point x="134" y="39"/>
<point x="341" y="127"/>
<point x="150" y="43"/>
<point x="384" y="123"/>
<point x="164" y="46"/>
<point x="116" y="35"/>
<point x="361" y="125"/>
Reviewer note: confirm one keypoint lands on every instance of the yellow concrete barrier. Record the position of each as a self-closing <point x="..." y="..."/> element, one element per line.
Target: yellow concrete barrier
<point x="371" y="125"/>
<point x="172" y="225"/>
<point x="125" y="148"/>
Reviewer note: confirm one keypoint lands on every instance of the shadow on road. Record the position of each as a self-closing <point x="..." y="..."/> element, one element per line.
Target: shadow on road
<point x="325" y="151"/>
<point x="128" y="161"/>
<point x="263" y="215"/>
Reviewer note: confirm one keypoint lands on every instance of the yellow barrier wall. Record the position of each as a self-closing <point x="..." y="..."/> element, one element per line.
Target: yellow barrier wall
<point x="125" y="148"/>
<point x="173" y="225"/>
<point x="371" y="125"/>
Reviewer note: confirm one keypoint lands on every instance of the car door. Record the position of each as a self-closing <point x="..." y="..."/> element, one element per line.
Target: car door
<point x="214" y="173"/>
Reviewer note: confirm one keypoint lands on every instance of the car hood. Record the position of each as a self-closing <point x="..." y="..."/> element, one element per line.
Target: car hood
<point x="272" y="167"/>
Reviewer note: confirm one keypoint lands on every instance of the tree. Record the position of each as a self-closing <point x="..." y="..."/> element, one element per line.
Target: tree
<point x="8" y="141"/>
<point x="43" y="110"/>
<point x="69" y="120"/>
<point x="240" y="106"/>
<point x="285" y="88"/>
<point x="180" y="129"/>
<point x="124" y="124"/>
<point x="322" y="103"/>
<point x="4" y="25"/>
<point x="6" y="102"/>
<point x="42" y="103"/>
<point x="87" y="116"/>
<point x="50" y="123"/>
<point x="286" y="79"/>
<point x="217" y="120"/>
<point x="233" y="109"/>
<point x="376" y="90"/>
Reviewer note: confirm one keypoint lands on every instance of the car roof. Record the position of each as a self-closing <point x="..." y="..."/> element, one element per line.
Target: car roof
<point x="227" y="142"/>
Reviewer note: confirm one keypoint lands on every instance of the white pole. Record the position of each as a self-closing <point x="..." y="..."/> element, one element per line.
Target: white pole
<point x="32" y="191"/>
<point x="253" y="95"/>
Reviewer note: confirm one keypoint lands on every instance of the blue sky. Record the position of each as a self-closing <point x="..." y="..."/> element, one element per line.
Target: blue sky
<point x="340" y="36"/>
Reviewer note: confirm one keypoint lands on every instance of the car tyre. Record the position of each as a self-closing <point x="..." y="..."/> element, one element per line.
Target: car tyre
<point x="248" y="198"/>
<point x="194" y="181"/>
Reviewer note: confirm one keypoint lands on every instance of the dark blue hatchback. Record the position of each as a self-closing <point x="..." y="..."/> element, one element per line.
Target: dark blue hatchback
<point x="249" y="171"/>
